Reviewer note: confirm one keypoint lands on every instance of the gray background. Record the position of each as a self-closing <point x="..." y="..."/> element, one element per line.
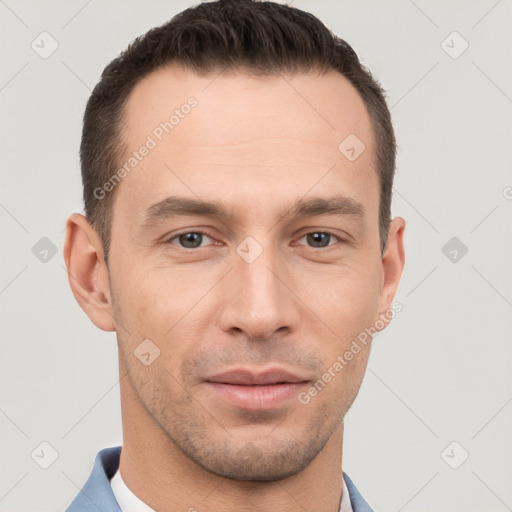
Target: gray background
<point x="441" y="371"/>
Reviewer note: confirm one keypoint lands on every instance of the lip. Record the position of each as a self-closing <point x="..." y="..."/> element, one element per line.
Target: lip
<point x="246" y="377"/>
<point x="252" y="390"/>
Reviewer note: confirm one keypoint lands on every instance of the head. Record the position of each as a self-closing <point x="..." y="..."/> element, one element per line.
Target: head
<point x="237" y="165"/>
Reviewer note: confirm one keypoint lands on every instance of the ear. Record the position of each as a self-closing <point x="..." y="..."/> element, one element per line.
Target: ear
<point x="87" y="271"/>
<point x="393" y="261"/>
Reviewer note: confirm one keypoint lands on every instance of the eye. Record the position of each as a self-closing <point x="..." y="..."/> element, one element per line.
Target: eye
<point x="320" y="239"/>
<point x="189" y="240"/>
<point x="195" y="239"/>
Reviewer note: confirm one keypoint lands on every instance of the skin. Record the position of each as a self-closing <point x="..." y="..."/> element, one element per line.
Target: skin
<point x="257" y="144"/>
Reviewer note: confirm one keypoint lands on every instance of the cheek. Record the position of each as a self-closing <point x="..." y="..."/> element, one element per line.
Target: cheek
<point x="353" y="308"/>
<point x="152" y="300"/>
<point x="344" y="298"/>
<point x="162" y="305"/>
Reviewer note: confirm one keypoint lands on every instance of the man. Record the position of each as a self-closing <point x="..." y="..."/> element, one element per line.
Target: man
<point x="237" y="165"/>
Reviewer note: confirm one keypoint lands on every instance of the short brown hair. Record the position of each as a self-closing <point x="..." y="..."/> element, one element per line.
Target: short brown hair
<point x="261" y="36"/>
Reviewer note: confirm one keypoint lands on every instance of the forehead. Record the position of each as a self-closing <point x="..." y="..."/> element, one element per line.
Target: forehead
<point x="213" y="134"/>
<point x="234" y="105"/>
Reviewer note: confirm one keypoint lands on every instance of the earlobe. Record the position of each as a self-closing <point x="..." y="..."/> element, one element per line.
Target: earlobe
<point x="87" y="272"/>
<point x="393" y="261"/>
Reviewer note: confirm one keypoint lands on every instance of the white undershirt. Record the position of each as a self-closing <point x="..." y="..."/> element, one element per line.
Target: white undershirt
<point x="128" y="502"/>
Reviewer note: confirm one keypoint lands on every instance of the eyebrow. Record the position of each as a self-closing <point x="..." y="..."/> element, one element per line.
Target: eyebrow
<point x="174" y="206"/>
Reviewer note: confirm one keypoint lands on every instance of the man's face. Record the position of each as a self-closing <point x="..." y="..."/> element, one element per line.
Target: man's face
<point x="263" y="288"/>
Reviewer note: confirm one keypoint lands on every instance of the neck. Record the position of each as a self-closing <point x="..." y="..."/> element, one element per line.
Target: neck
<point x="157" y="471"/>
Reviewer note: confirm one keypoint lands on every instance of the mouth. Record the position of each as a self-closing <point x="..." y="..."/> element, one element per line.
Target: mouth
<point x="252" y="390"/>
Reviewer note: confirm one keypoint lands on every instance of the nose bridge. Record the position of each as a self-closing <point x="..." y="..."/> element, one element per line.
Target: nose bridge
<point x="260" y="303"/>
<point x="261" y="283"/>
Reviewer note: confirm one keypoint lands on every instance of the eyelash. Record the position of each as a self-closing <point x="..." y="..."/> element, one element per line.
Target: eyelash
<point x="340" y="240"/>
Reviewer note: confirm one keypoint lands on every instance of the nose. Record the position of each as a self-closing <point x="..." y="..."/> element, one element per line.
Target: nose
<point x="259" y="298"/>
